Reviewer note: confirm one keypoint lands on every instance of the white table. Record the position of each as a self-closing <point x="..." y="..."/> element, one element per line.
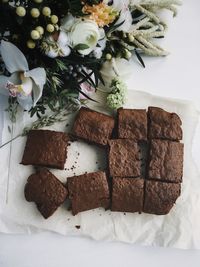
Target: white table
<point x="175" y="76"/>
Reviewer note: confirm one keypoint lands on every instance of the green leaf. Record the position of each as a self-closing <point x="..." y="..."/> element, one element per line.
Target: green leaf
<point x="139" y="58"/>
<point x="81" y="47"/>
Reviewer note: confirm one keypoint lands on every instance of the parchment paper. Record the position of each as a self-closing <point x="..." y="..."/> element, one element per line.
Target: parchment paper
<point x="180" y="228"/>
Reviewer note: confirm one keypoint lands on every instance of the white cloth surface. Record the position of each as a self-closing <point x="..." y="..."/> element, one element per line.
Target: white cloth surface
<point x="180" y="228"/>
<point x="175" y="76"/>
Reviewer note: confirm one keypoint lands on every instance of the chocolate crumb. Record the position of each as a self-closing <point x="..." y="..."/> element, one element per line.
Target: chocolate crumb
<point x="77" y="226"/>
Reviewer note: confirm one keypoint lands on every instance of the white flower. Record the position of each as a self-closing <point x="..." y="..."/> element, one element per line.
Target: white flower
<point x="59" y="48"/>
<point x="22" y="82"/>
<point x="84" y="34"/>
<point x="67" y="23"/>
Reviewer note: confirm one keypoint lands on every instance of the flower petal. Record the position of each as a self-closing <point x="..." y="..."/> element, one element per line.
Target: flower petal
<point x="25" y="101"/>
<point x="13" y="57"/>
<point x="3" y="82"/>
<point x="39" y="77"/>
<point x="67" y="22"/>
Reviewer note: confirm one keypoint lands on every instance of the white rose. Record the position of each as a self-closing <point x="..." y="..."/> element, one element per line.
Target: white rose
<point x="85" y="32"/>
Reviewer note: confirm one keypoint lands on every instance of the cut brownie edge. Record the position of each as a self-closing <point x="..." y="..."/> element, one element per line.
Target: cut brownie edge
<point x="93" y="127"/>
<point x="88" y="191"/>
<point x="124" y="158"/>
<point x="132" y="124"/>
<point x="166" y="160"/>
<point x="127" y="194"/>
<point x="46" y="148"/>
<point x="164" y="125"/>
<point x="46" y="191"/>
<point x="160" y="197"/>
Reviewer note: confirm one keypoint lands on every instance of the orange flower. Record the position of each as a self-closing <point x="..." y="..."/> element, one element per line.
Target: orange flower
<point x="102" y="14"/>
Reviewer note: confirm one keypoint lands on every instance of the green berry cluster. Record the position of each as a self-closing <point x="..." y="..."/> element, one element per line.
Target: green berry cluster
<point x="37" y="18"/>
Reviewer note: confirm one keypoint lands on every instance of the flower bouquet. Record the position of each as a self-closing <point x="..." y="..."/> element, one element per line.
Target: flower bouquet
<point x="54" y="54"/>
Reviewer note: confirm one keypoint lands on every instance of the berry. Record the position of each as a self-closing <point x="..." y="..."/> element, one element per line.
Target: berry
<point x="35" y="13"/>
<point x="50" y="28"/>
<point x="46" y="11"/>
<point x="35" y="35"/>
<point x="20" y="11"/>
<point x="54" y="19"/>
<point x="108" y="56"/>
<point x="40" y="29"/>
<point x="30" y="44"/>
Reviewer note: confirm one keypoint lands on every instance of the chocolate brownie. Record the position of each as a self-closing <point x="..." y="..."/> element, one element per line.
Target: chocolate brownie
<point x="127" y="194"/>
<point x="93" y="126"/>
<point x="160" y="197"/>
<point x="164" y="125"/>
<point x="132" y="124"/>
<point x="124" y="158"/>
<point x="88" y="191"/>
<point x="46" y="148"/>
<point x="166" y="161"/>
<point x="46" y="191"/>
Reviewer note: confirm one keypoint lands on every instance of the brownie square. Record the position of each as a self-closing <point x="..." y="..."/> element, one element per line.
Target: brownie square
<point x="124" y="158"/>
<point x="46" y="148"/>
<point x="160" y="197"/>
<point x="166" y="161"/>
<point x="164" y="125"/>
<point x="88" y="191"/>
<point x="132" y="124"/>
<point x="127" y="194"/>
<point x="46" y="191"/>
<point x="93" y="126"/>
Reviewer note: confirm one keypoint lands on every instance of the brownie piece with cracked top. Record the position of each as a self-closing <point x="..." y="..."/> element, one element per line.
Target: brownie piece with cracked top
<point x="88" y="191"/>
<point x="164" y="125"/>
<point x="160" y="197"/>
<point x="132" y="124"/>
<point x="124" y="158"/>
<point x="46" y="191"/>
<point x="93" y="126"/>
<point x="46" y="148"/>
<point x="166" y="161"/>
<point x="127" y="194"/>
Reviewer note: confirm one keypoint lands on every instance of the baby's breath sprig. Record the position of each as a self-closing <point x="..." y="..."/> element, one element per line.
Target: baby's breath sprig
<point x="117" y="96"/>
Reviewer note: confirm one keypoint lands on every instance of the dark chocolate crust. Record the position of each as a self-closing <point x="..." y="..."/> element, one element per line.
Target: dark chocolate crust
<point x="160" y="197"/>
<point x="124" y="158"/>
<point x="166" y="161"/>
<point x="88" y="191"/>
<point x="132" y="124"/>
<point x="46" y="191"/>
<point x="94" y="127"/>
<point x="164" y="125"/>
<point x="127" y="194"/>
<point x="46" y="148"/>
